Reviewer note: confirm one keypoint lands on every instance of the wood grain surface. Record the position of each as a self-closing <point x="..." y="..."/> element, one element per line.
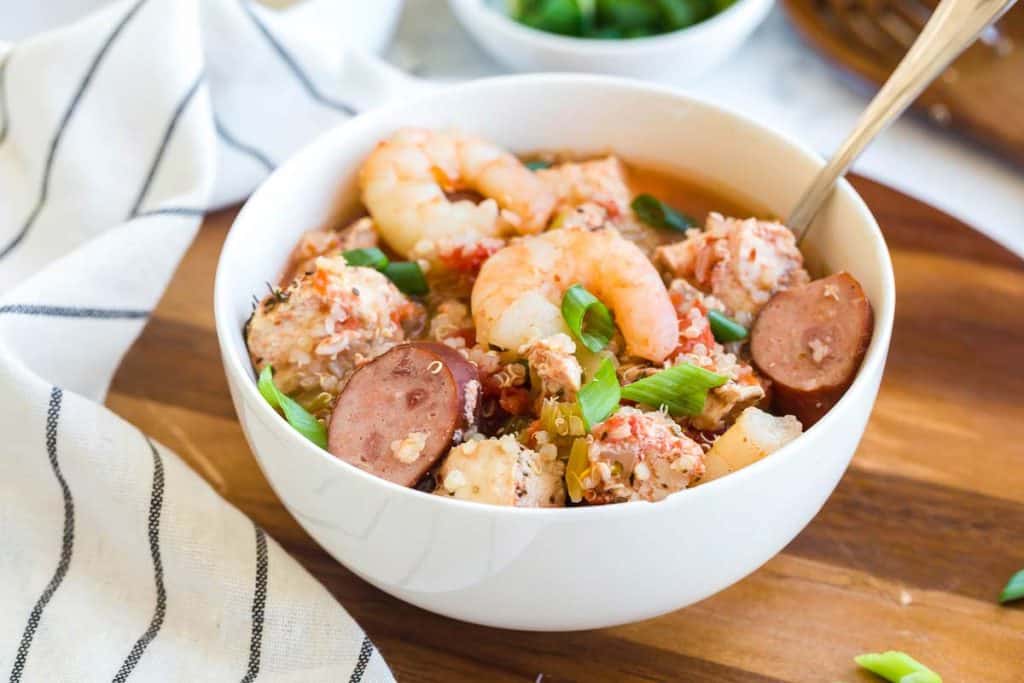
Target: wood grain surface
<point x="980" y="94"/>
<point x="909" y="553"/>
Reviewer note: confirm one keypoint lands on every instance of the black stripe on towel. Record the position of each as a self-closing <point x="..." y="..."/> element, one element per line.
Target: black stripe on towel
<point x="55" y="142"/>
<point x="4" y="114"/>
<point x="365" y="652"/>
<point x="168" y="132"/>
<point x="259" y="603"/>
<point x="172" y="211"/>
<point x="245" y="149"/>
<point x="74" y="312"/>
<point x="294" y="67"/>
<point x="156" y="504"/>
<point x="67" y="539"/>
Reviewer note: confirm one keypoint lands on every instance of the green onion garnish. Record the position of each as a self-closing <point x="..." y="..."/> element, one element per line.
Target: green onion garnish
<point x="682" y="389"/>
<point x="538" y="165"/>
<point x="297" y="417"/>
<point x="588" y="319"/>
<point x="897" y="667"/>
<point x="613" y="18"/>
<point x="576" y="469"/>
<point x="407" y="276"/>
<point x="371" y="257"/>
<point x="1014" y="588"/>
<point x="725" y="328"/>
<point x="658" y="214"/>
<point x="599" y="397"/>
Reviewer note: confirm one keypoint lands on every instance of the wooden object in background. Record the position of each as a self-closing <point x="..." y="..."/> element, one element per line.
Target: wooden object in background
<point x="909" y="553"/>
<point x="981" y="94"/>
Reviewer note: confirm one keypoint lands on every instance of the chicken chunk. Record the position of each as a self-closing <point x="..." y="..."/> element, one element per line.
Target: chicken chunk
<point x="315" y="243"/>
<point x="553" y="362"/>
<point x="501" y="471"/>
<point x="741" y="262"/>
<point x="637" y="455"/>
<point x="326" y="324"/>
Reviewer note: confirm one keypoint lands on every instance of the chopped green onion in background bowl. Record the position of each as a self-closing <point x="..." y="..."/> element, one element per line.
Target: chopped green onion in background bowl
<point x="613" y="19"/>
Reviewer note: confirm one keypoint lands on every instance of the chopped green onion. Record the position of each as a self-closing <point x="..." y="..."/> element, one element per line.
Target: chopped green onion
<point x="297" y="417"/>
<point x="613" y="18"/>
<point x="725" y="328"/>
<point x="562" y="421"/>
<point x="658" y="214"/>
<point x="630" y="16"/>
<point x="554" y="16"/>
<point x="407" y="276"/>
<point x="682" y="13"/>
<point x="599" y="397"/>
<point x="1014" y="588"/>
<point x="538" y="165"/>
<point x="897" y="667"/>
<point x="371" y="257"/>
<point x="588" y="319"/>
<point x="576" y="469"/>
<point x="682" y="389"/>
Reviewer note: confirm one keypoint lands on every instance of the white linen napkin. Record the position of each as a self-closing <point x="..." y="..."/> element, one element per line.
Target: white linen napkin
<point x="117" y="562"/>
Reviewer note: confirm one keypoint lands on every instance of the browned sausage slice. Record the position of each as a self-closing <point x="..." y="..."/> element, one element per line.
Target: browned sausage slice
<point x="400" y="412"/>
<point x="810" y="341"/>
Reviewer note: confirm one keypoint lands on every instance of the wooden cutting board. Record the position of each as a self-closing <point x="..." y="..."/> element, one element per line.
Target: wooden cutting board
<point x="980" y="95"/>
<point x="909" y="553"/>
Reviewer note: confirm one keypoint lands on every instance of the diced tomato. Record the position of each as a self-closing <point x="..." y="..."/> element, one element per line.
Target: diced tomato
<point x="515" y="400"/>
<point x="468" y="258"/>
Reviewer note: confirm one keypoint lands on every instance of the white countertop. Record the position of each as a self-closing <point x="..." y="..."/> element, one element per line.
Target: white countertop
<point x="778" y="80"/>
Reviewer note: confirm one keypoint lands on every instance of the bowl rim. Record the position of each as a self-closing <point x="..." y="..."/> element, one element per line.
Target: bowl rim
<point x="239" y="368"/>
<point x="498" y="21"/>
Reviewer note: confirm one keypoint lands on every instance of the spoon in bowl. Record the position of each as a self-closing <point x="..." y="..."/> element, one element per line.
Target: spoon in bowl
<point x="953" y="26"/>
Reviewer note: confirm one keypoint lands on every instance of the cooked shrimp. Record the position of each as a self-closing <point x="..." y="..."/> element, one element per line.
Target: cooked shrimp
<point x="517" y="296"/>
<point x="405" y="178"/>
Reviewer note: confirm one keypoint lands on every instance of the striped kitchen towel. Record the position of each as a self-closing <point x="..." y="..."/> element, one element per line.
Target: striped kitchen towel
<point x="117" y="133"/>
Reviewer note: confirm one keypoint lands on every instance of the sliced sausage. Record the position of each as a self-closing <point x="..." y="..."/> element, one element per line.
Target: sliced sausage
<point x="400" y="412"/>
<point x="810" y="341"/>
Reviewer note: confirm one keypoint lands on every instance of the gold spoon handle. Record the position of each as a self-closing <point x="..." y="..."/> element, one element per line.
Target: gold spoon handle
<point x="953" y="26"/>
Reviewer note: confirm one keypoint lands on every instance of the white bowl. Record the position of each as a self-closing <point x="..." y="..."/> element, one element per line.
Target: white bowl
<point x="671" y="57"/>
<point x="573" y="568"/>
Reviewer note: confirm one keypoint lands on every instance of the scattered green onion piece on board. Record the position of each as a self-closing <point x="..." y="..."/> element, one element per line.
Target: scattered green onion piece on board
<point x="599" y="397"/>
<point x="725" y="328"/>
<point x="407" y="276"/>
<point x="538" y="165"/>
<point x="1014" y="588"/>
<point x="682" y="389"/>
<point x="588" y="319"/>
<point x="897" y="667"/>
<point x="296" y="415"/>
<point x="576" y="469"/>
<point x="658" y="214"/>
<point x="370" y="257"/>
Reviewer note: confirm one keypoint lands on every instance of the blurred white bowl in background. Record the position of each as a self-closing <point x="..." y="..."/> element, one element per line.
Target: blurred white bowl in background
<point x="670" y="57"/>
